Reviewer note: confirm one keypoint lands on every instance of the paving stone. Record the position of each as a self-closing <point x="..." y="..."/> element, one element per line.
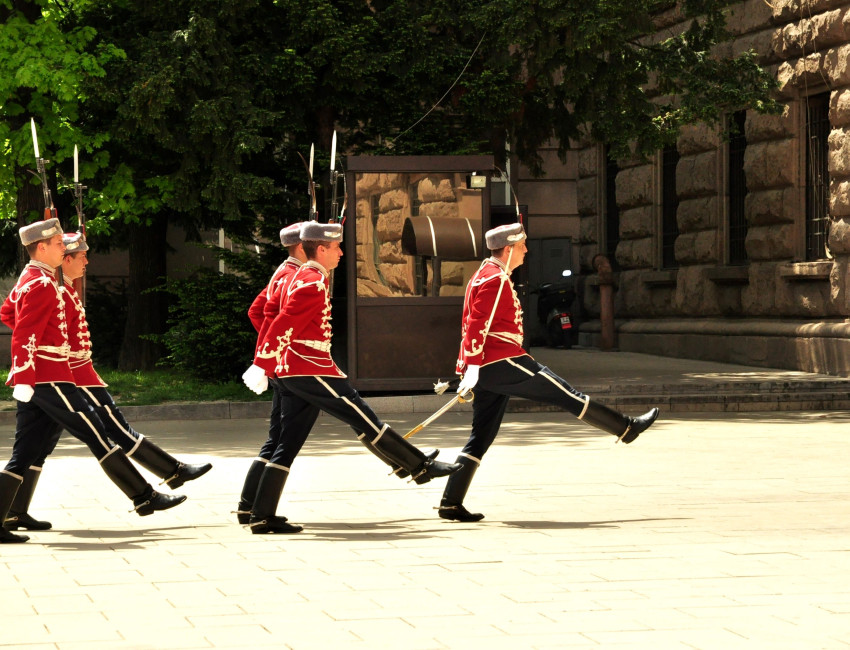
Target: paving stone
<point x="712" y="530"/>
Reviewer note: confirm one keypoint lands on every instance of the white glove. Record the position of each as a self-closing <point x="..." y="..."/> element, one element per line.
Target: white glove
<point x="255" y="379"/>
<point x="23" y="392"/>
<point x="470" y="378"/>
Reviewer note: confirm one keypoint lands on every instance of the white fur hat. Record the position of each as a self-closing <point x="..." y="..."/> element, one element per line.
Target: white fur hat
<point x="506" y="235"/>
<point x="75" y="242"/>
<point x="315" y="231"/>
<point x="39" y="230"/>
<point x="290" y="235"/>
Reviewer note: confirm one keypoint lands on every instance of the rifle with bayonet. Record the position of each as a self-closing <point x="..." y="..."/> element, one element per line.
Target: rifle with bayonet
<point x="311" y="185"/>
<point x="49" y="208"/>
<point x="81" y="218"/>
<point x="335" y="186"/>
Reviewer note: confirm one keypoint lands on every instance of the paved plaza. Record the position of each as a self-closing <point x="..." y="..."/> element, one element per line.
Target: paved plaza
<point x="710" y="531"/>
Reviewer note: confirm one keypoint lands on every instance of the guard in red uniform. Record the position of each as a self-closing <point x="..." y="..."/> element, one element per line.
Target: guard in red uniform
<point x="297" y="349"/>
<point x="44" y="383"/>
<point x="135" y="445"/>
<point x="262" y="312"/>
<point x="494" y="364"/>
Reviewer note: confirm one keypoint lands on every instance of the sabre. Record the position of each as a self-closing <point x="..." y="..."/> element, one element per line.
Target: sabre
<point x="457" y="399"/>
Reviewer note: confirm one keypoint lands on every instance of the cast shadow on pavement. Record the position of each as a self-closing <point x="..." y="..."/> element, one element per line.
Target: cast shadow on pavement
<point x="387" y="531"/>
<point x="132" y="539"/>
<point x="561" y="525"/>
<point x="379" y="531"/>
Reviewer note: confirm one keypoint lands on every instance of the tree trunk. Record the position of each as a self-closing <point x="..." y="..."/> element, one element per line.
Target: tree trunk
<point x="146" y="310"/>
<point x="29" y="200"/>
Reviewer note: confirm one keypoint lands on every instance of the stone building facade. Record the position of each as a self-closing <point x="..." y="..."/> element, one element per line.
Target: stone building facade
<point x="734" y="245"/>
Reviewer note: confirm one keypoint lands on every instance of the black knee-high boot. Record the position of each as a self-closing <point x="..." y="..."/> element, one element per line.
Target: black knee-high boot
<point x="410" y="458"/>
<point x="263" y="519"/>
<point x="9" y="484"/>
<point x="430" y="454"/>
<point x="249" y="490"/>
<point x="622" y="426"/>
<point x="19" y="516"/>
<point x="146" y="500"/>
<point x="451" y="505"/>
<point x="162" y="464"/>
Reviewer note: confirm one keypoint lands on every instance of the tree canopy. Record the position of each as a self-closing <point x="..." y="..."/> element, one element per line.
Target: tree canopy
<point x="191" y="112"/>
<point x="195" y="107"/>
<point x="43" y="69"/>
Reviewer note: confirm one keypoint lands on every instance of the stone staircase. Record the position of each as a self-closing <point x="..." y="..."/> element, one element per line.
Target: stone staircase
<point x="632" y="382"/>
<point x="729" y="396"/>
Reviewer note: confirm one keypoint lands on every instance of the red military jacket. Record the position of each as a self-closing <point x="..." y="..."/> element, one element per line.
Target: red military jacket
<point x="504" y="338"/>
<point x="298" y="341"/>
<point x="267" y="302"/>
<point x="256" y="310"/>
<point x="35" y="311"/>
<point x="79" y="339"/>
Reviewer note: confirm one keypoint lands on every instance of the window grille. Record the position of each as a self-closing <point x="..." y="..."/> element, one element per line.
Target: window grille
<point x="669" y="206"/>
<point x="817" y="175"/>
<point x="737" y="232"/>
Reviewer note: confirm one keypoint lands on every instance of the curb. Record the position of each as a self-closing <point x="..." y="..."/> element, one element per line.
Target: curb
<point x="261" y="409"/>
<point x="729" y="398"/>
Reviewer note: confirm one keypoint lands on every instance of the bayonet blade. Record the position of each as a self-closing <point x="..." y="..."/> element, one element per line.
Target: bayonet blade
<point x="34" y="139"/>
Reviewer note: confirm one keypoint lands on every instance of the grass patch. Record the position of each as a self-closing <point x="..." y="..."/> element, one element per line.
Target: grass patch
<point x="161" y="387"/>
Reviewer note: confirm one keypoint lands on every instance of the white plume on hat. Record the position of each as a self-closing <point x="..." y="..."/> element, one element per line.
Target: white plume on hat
<point x="39" y="230"/>
<point x="506" y="235"/>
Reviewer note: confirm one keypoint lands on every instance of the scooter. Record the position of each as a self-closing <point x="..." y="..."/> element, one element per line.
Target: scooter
<point x="554" y="310"/>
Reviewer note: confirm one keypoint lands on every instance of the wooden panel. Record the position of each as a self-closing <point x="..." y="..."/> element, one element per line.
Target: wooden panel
<point x="416" y="339"/>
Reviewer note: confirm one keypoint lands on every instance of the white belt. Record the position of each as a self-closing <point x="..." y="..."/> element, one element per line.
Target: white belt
<point x="80" y="354"/>
<point x="54" y="353"/>
<point x="324" y="346"/>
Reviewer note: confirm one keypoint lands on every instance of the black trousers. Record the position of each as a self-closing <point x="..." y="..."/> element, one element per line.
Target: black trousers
<point x="117" y="428"/>
<point x="305" y="397"/>
<point x="275" y="424"/>
<point x="517" y="377"/>
<point x="54" y="407"/>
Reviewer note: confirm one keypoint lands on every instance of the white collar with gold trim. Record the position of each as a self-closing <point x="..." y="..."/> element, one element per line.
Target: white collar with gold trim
<point x="315" y="265"/>
<point x="498" y="263"/>
<point x="42" y="266"/>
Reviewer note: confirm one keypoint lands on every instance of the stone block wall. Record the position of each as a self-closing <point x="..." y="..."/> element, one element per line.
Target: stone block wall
<point x="383" y="269"/>
<point x="807" y="47"/>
